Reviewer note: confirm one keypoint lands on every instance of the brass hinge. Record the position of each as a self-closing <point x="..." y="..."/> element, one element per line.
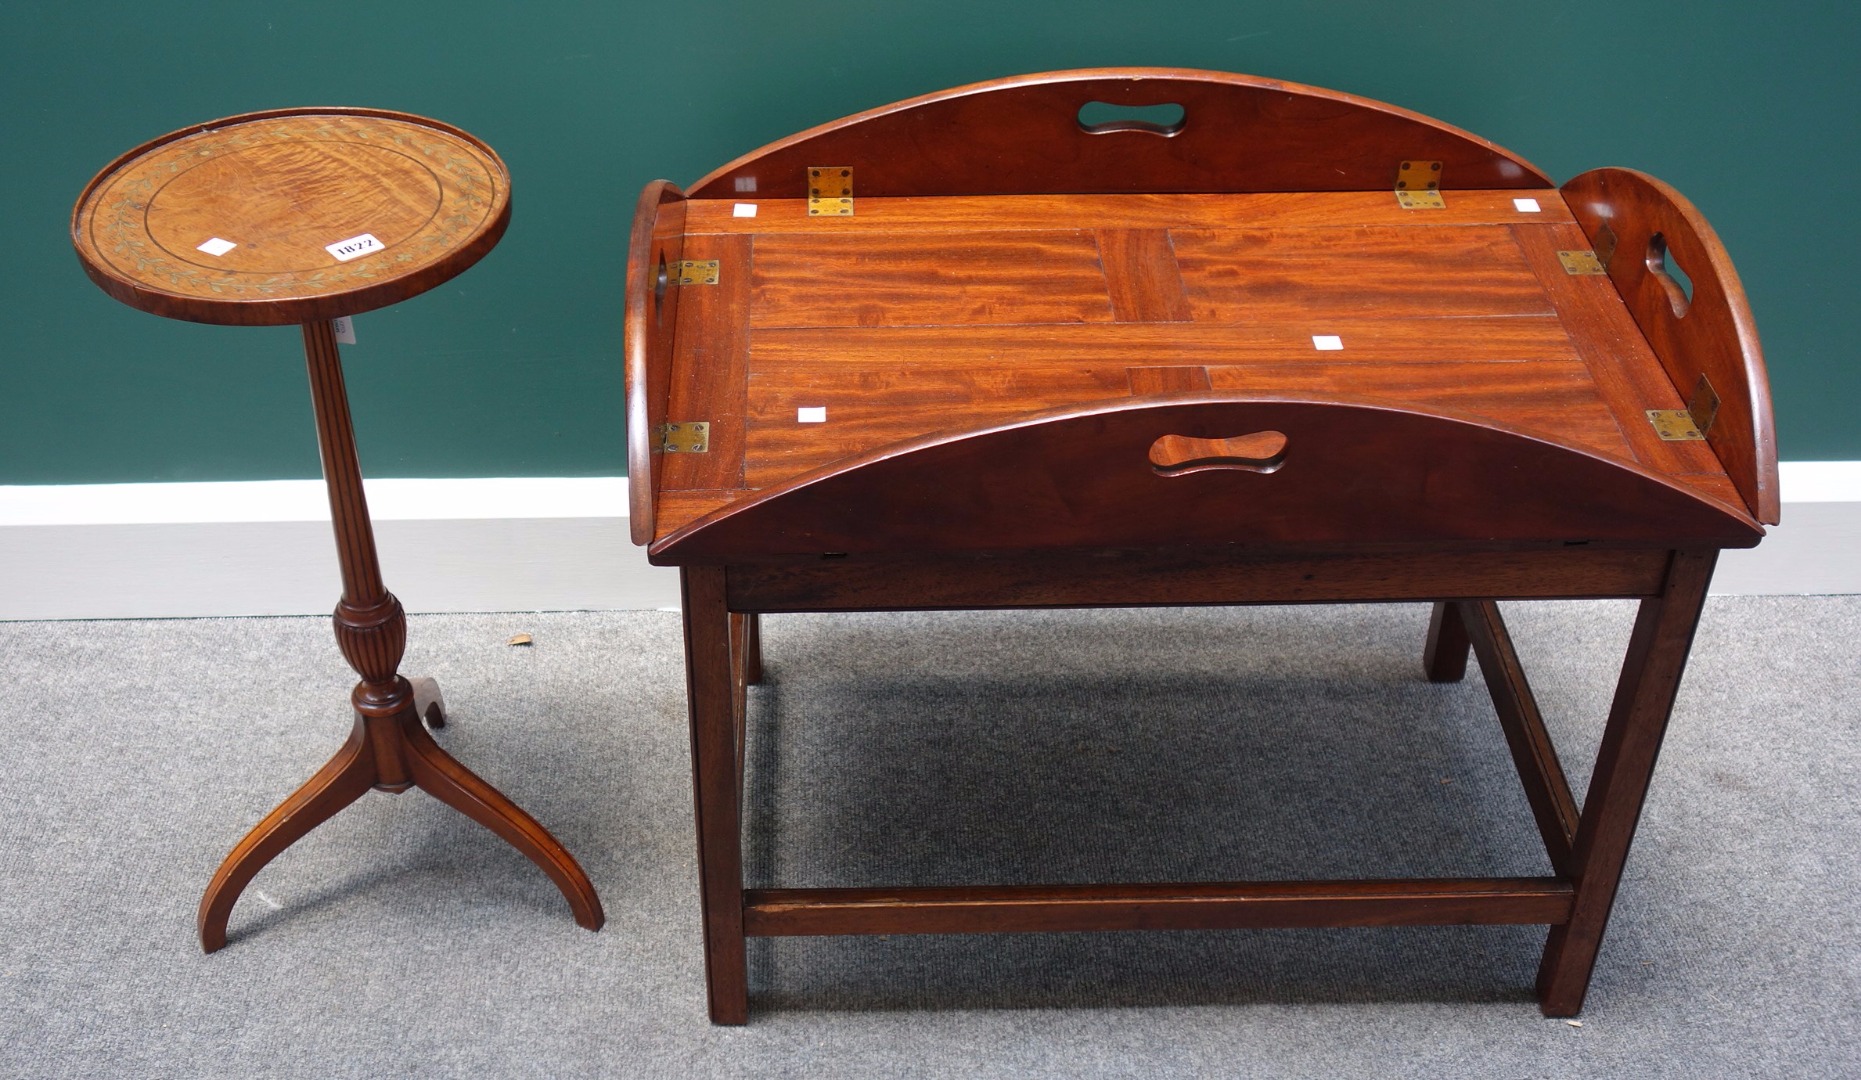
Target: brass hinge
<point x="1418" y="186"/>
<point x="830" y="191"/>
<point x="1581" y="262"/>
<point x="685" y="437"/>
<point x="692" y="272"/>
<point x="1693" y="423"/>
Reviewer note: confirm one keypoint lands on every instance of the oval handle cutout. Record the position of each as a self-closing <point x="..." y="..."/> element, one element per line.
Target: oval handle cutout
<point x="1180" y="455"/>
<point x="1100" y="117"/>
<point x="1674" y="280"/>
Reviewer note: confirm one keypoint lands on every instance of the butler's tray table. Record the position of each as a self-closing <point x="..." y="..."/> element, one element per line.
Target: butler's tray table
<point x="1139" y="336"/>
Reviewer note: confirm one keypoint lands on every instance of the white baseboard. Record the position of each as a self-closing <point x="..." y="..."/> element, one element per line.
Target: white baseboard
<point x="147" y="551"/>
<point x="136" y="551"/>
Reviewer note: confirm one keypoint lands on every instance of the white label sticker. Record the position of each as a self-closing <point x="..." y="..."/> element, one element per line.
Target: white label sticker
<point x="816" y="414"/>
<point x="1327" y="342"/>
<point x="345" y="330"/>
<point x="355" y="247"/>
<point x="217" y="247"/>
<point x="743" y="209"/>
<point x="1527" y="206"/>
<point x="746" y="183"/>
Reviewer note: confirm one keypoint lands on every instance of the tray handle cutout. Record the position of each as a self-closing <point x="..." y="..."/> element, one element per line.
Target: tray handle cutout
<point x="1673" y="278"/>
<point x="1180" y="455"/>
<point x="1102" y="117"/>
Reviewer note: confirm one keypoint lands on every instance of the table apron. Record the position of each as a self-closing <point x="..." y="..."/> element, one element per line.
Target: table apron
<point x="1135" y="579"/>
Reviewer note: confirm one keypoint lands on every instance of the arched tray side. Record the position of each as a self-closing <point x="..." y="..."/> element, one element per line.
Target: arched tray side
<point x="1022" y="136"/>
<point x="648" y="326"/>
<point x="1623" y="212"/>
<point x="1082" y="477"/>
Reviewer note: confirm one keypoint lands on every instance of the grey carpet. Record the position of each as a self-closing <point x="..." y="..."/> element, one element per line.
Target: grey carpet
<point x="941" y="748"/>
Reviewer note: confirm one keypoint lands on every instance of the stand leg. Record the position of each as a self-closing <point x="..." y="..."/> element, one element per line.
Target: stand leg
<point x="752" y="649"/>
<point x="441" y="776"/>
<point x="742" y="648"/>
<point x="389" y="750"/>
<point x="428" y="702"/>
<point x="1444" y="658"/>
<point x="1644" y="698"/>
<point x="715" y="764"/>
<point x="342" y="781"/>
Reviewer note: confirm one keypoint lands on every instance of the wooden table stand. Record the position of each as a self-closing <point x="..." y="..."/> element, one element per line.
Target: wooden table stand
<point x="268" y="180"/>
<point x="971" y="351"/>
<point x="1587" y="851"/>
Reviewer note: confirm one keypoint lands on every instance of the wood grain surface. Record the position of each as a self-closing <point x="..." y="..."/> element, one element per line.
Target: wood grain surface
<point x="1273" y="209"/>
<point x="925" y="317"/>
<point x="281" y="188"/>
<point x="1081" y="477"/>
<point x="649" y="324"/>
<point x="1189" y="576"/>
<point x="708" y="379"/>
<point x="1023" y="135"/>
<point x="1711" y="333"/>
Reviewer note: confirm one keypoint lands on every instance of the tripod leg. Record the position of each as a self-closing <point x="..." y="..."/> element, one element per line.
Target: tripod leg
<point x="340" y="782"/>
<point x="441" y="776"/>
<point x="428" y="703"/>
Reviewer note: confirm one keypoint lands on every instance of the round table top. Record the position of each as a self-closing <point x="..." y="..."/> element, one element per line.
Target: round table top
<point x="290" y="216"/>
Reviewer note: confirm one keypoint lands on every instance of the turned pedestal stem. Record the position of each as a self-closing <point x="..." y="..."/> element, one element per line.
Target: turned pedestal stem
<point x="371" y="627"/>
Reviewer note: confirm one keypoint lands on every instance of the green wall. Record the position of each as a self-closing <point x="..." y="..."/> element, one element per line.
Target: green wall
<point x="514" y="368"/>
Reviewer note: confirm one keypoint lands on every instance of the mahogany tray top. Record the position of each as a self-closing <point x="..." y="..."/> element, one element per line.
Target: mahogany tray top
<point x="234" y="221"/>
<point x="830" y="342"/>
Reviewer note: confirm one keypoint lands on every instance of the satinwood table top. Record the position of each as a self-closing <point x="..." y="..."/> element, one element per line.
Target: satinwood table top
<point x="291" y="216"/>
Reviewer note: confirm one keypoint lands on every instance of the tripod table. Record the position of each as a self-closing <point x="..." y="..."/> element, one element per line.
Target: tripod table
<point x="302" y="216"/>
